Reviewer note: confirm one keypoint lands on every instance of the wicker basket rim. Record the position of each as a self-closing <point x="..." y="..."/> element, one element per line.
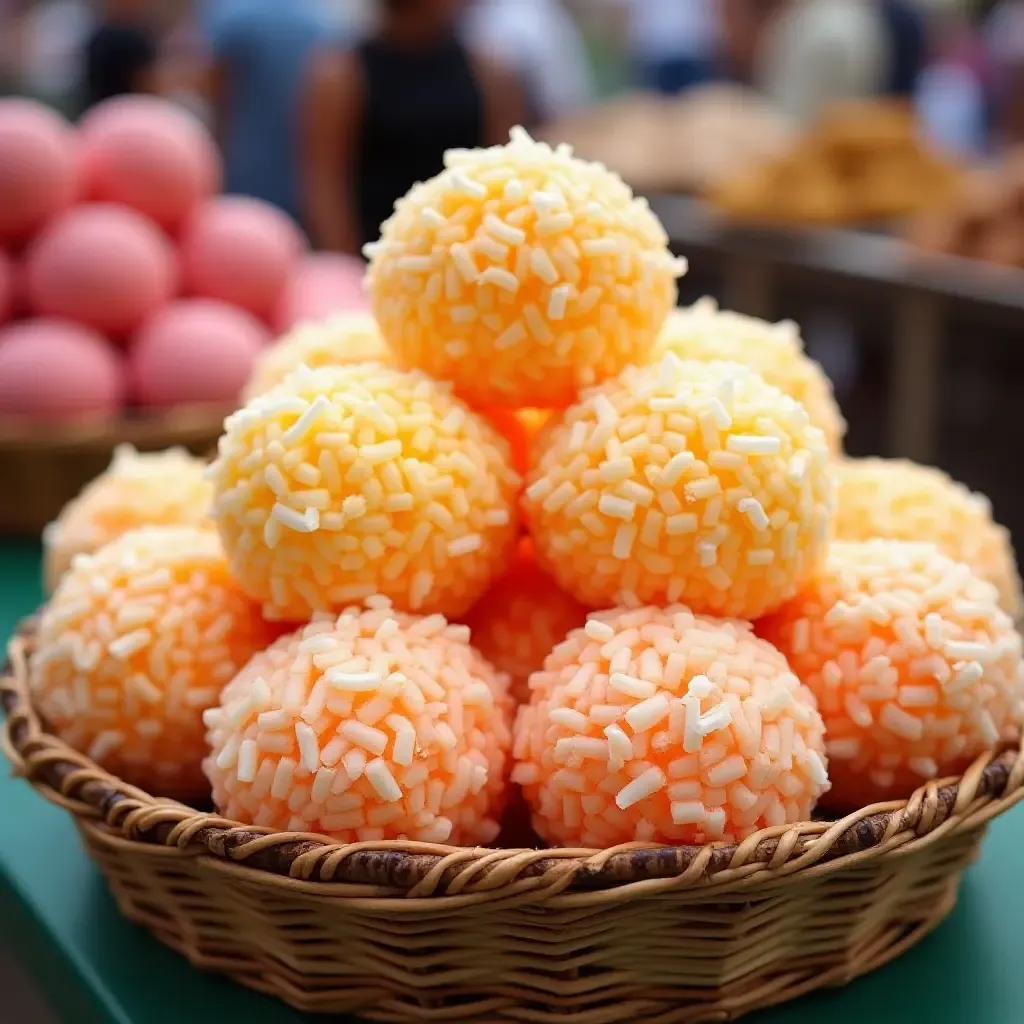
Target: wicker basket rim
<point x="992" y="784"/>
<point x="156" y="429"/>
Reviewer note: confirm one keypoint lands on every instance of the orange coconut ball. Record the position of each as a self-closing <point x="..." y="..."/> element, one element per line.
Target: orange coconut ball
<point x="521" y="273"/>
<point x="775" y="351"/>
<point x="901" y="500"/>
<point x="664" y="726"/>
<point x="521" y="617"/>
<point x="342" y="338"/>
<point x="694" y="482"/>
<point x="137" y="641"/>
<point x="376" y="725"/>
<point x="355" y="480"/>
<point x="915" y="667"/>
<point x="520" y="427"/>
<point x="164" y="488"/>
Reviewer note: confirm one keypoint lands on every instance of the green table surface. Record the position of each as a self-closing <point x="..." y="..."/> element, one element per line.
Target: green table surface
<point x="58" y="919"/>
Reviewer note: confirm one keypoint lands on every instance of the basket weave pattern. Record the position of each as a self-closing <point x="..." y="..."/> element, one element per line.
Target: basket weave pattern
<point x="404" y="931"/>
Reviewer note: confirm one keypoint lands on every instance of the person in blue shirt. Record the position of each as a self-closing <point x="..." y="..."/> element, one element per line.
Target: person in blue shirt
<point x="261" y="51"/>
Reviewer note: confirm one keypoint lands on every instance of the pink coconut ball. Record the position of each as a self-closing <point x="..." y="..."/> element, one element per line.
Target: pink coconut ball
<point x="54" y="370"/>
<point x="241" y="251"/>
<point x="101" y="265"/>
<point x="322" y="284"/>
<point x="194" y="350"/>
<point x="38" y="167"/>
<point x="149" y="154"/>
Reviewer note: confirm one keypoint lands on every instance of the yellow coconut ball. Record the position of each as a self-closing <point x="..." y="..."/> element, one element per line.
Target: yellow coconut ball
<point x="692" y="482"/>
<point x="775" y="351"/>
<point x="164" y="488"/>
<point x="915" y="667"/>
<point x="137" y="641"/>
<point x="660" y="725"/>
<point x="523" y="614"/>
<point x="901" y="500"/>
<point x="343" y="338"/>
<point x="376" y="725"/>
<point x="521" y="273"/>
<point x="345" y="482"/>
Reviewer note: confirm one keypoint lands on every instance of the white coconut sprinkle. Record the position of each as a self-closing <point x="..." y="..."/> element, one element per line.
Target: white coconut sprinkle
<point x="751" y="444"/>
<point x="631" y="686"/>
<point x="379" y="776"/>
<point x="718" y="717"/>
<point x="643" y="786"/>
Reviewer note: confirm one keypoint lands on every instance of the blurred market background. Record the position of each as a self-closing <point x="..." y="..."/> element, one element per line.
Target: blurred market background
<point x="854" y="165"/>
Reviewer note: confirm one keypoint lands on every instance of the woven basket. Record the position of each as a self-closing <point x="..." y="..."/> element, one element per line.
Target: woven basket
<point x="47" y="465"/>
<point x="402" y="931"/>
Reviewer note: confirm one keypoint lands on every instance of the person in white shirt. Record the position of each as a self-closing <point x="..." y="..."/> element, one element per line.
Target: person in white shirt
<point x="539" y="41"/>
<point x="817" y="52"/>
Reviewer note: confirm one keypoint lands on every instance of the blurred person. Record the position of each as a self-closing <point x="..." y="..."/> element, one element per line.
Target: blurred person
<point x="379" y="118"/>
<point x="52" y="50"/>
<point x="814" y="53"/>
<point x="1005" y="34"/>
<point x="908" y="45"/>
<point x="260" y="52"/>
<point x="951" y="95"/>
<point x="672" y="44"/>
<point x="121" y="51"/>
<point x="540" y="40"/>
<point x="741" y="27"/>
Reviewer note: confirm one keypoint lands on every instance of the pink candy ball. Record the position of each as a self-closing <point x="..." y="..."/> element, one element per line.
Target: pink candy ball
<point x="241" y="251"/>
<point x="101" y="265"/>
<point x="194" y="350"/>
<point x="38" y="167"/>
<point x="54" y="370"/>
<point x="149" y="154"/>
<point x="322" y="284"/>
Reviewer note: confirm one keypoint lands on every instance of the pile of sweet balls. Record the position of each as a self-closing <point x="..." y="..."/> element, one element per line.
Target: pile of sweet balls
<point x="688" y="618"/>
<point x="125" y="281"/>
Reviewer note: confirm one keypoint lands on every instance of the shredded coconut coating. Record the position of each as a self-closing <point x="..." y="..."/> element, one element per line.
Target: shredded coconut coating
<point x="165" y="488"/>
<point x="345" y="482"/>
<point x="776" y="351"/>
<point x="342" y="338"/>
<point x="521" y="273"/>
<point x="900" y="500"/>
<point x="375" y="725"/>
<point x="137" y="641"/>
<point x="521" y="617"/>
<point x="521" y="428"/>
<point x="659" y="725"/>
<point x="684" y="481"/>
<point x="915" y="667"/>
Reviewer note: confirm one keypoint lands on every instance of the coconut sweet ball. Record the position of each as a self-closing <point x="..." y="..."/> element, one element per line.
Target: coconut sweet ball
<point x="901" y="500"/>
<point x="349" y="481"/>
<point x="138" y="489"/>
<point x="374" y="725"/>
<point x="521" y="273"/>
<point x="694" y="482"/>
<point x="660" y="725"/>
<point x="137" y="641"/>
<point x="523" y="614"/>
<point x="340" y="339"/>
<point x="775" y="351"/>
<point x="915" y="667"/>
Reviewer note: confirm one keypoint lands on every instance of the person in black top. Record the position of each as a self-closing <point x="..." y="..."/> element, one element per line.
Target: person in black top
<point x="121" y="52"/>
<point x="380" y="117"/>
